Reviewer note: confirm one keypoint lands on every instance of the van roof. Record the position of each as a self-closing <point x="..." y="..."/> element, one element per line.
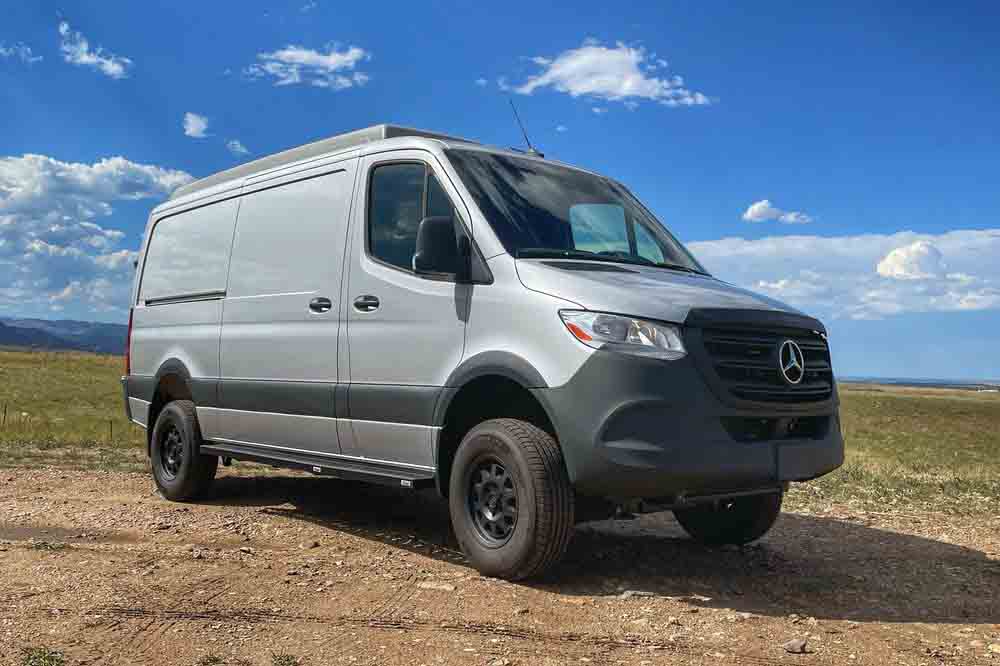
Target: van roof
<point x="334" y="143"/>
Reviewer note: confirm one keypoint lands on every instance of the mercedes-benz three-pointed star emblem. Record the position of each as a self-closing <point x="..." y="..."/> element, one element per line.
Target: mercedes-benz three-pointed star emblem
<point x="791" y="362"/>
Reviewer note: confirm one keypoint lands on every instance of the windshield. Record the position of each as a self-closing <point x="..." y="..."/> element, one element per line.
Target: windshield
<point x="539" y="209"/>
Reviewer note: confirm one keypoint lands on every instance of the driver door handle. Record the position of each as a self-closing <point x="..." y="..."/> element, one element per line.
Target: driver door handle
<point x="366" y="303"/>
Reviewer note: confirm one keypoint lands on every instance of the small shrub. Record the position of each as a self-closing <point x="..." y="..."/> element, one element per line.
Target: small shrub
<point x="281" y="659"/>
<point x="41" y="657"/>
<point x="210" y="660"/>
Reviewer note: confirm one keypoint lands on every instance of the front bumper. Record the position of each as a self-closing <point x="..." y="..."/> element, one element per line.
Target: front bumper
<point x="634" y="427"/>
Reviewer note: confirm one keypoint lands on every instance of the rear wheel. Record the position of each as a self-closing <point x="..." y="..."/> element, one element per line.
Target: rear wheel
<point x="510" y="499"/>
<point x="738" y="520"/>
<point x="180" y="471"/>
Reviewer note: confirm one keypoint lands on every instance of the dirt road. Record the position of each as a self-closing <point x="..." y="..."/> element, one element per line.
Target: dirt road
<point x="99" y="567"/>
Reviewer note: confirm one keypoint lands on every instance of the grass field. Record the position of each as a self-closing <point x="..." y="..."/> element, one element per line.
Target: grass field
<point x="907" y="449"/>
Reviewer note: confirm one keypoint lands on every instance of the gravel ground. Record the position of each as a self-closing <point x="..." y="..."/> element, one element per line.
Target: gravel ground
<point x="296" y="569"/>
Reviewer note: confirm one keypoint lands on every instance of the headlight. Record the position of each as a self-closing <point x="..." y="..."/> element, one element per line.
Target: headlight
<point x="624" y="334"/>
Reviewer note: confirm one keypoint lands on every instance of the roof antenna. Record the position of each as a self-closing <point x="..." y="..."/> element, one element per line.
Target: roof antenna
<point x="531" y="148"/>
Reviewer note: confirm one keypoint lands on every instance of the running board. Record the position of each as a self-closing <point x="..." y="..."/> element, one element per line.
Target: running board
<point x="341" y="468"/>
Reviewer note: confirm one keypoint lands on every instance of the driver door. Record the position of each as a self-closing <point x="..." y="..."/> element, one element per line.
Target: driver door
<point x="406" y="332"/>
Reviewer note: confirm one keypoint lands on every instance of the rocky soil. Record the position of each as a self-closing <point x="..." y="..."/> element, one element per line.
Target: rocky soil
<point x="285" y="569"/>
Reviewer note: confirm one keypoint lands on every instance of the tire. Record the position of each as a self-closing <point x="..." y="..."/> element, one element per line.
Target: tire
<point x="180" y="471"/>
<point x="532" y="475"/>
<point x="736" y="521"/>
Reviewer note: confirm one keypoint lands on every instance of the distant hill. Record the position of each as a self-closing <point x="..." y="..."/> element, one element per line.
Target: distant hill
<point x="63" y="334"/>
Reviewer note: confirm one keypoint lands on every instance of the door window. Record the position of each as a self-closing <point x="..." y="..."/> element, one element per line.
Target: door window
<point x="401" y="195"/>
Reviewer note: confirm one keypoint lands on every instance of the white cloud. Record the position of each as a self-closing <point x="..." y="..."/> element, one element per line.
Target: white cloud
<point x="599" y="109"/>
<point x="481" y="82"/>
<point x="236" y="147"/>
<point x="763" y="210"/>
<point x="334" y="69"/>
<point x="916" y="261"/>
<point x="55" y="250"/>
<point x="562" y="128"/>
<point x="867" y="276"/>
<point x="19" y="50"/>
<point x="617" y="74"/>
<point x="309" y="6"/>
<point x="76" y="50"/>
<point x="195" y="125"/>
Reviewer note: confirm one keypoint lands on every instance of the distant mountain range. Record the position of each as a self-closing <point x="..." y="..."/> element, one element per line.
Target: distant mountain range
<point x="65" y="334"/>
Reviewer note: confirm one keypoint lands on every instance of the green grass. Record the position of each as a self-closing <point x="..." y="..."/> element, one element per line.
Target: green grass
<point x="914" y="448"/>
<point x="917" y="449"/>
<point x="65" y="409"/>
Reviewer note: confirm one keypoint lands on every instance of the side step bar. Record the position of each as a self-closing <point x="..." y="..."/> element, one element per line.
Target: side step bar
<point x="341" y="468"/>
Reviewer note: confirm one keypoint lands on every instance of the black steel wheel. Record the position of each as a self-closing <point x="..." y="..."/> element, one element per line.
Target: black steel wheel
<point x="493" y="501"/>
<point x="510" y="498"/>
<point x="738" y="520"/>
<point x="172" y="451"/>
<point x="181" y="472"/>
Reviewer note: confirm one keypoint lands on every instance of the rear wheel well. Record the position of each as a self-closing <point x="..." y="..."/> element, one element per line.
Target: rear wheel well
<point x="482" y="399"/>
<point x="170" y="387"/>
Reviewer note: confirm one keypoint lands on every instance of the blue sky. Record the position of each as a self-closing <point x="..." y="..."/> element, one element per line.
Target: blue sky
<point x="843" y="159"/>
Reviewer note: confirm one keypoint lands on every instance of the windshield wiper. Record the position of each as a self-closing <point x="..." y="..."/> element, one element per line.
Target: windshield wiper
<point x="622" y="258"/>
<point x="558" y="253"/>
<point x="680" y="267"/>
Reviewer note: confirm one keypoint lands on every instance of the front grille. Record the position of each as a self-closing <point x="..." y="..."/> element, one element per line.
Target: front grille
<point x="746" y="362"/>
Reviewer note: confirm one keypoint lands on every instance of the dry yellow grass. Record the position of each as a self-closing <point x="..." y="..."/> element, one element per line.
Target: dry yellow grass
<point x="925" y="449"/>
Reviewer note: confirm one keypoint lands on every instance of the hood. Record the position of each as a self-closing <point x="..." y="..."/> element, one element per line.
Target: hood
<point x="640" y="291"/>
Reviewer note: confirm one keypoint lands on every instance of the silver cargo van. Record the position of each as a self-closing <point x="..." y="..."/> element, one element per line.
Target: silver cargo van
<point x="419" y="310"/>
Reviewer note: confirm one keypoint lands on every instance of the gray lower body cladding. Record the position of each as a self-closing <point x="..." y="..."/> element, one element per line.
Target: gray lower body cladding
<point x="633" y="427"/>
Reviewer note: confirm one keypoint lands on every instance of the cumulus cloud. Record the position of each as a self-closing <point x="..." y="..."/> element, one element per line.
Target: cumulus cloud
<point x="764" y="210"/>
<point x="236" y="147"/>
<point x="195" y="125"/>
<point x="867" y="276"/>
<point x="56" y="250"/>
<point x="621" y="73"/>
<point x="20" y="51"/>
<point x="916" y="261"/>
<point x="335" y="69"/>
<point x="76" y="50"/>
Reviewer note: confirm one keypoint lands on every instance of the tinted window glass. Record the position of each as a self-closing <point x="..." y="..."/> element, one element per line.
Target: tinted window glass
<point x="401" y="195"/>
<point x="646" y="246"/>
<point x="438" y="203"/>
<point x="537" y="208"/>
<point x="189" y="252"/>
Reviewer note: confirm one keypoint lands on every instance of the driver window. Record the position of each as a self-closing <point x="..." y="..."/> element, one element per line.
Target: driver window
<point x="400" y="196"/>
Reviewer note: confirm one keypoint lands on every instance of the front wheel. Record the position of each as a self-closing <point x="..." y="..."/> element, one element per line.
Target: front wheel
<point x="738" y="520"/>
<point x="181" y="472"/>
<point x="510" y="499"/>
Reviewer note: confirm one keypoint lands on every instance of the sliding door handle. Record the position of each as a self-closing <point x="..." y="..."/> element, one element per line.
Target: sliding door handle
<point x="321" y="304"/>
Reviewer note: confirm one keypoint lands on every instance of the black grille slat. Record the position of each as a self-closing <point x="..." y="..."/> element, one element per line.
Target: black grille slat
<point x="745" y="360"/>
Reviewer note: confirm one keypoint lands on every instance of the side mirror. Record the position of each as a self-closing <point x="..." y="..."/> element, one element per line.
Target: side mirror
<point x="437" y="247"/>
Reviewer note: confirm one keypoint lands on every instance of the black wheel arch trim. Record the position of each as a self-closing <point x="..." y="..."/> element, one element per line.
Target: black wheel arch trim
<point x="504" y="364"/>
<point x="203" y="391"/>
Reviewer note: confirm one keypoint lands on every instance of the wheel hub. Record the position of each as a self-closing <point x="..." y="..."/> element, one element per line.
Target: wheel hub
<point x="493" y="501"/>
<point x="172" y="451"/>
